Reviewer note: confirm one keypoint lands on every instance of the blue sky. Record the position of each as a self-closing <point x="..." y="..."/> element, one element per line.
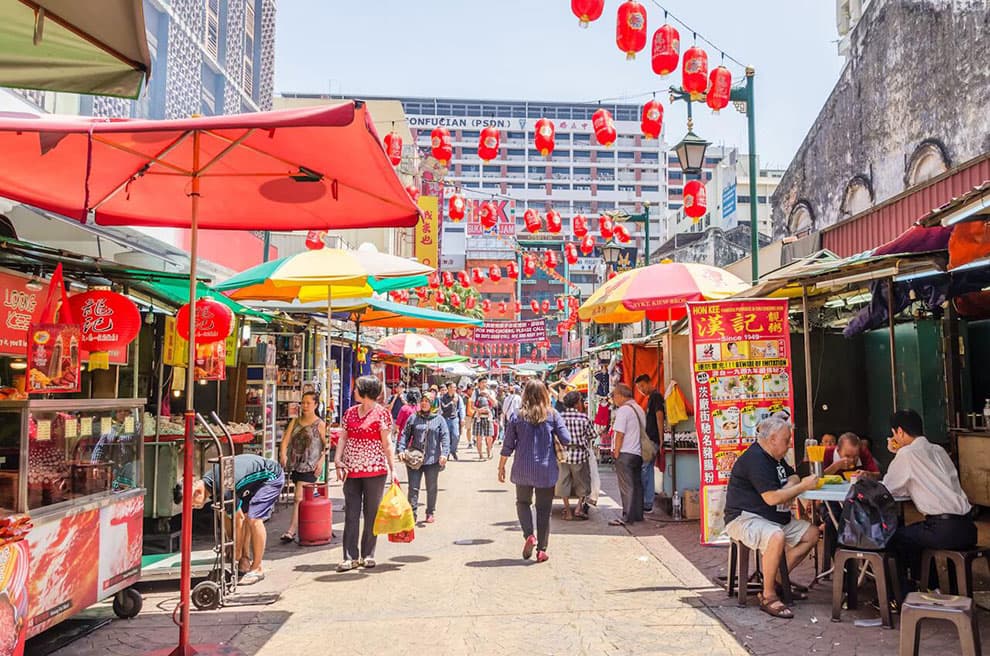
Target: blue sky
<point x="534" y="50"/>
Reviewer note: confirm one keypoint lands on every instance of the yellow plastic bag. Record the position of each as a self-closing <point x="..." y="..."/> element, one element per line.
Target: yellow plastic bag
<point x="394" y="512"/>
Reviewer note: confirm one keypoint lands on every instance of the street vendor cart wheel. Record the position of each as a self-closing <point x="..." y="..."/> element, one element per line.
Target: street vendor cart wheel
<point x="206" y="595"/>
<point x="127" y="603"/>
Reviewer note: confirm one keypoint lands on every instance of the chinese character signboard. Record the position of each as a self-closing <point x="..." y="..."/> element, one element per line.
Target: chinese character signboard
<point x="427" y="249"/>
<point x="741" y="362"/>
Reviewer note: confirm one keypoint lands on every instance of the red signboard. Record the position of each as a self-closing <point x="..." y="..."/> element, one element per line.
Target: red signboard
<point x="741" y="362"/>
<point x="507" y="332"/>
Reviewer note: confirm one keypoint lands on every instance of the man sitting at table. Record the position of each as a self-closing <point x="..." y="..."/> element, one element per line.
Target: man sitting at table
<point x="848" y="456"/>
<point x="758" y="499"/>
<point x="923" y="471"/>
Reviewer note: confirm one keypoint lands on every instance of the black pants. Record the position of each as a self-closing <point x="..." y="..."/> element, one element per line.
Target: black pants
<point x="628" y="469"/>
<point x="524" y="508"/>
<point x="361" y="495"/>
<point x="909" y="541"/>
<point x="432" y="475"/>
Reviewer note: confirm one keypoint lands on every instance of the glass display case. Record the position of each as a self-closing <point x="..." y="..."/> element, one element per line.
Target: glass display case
<point x="54" y="453"/>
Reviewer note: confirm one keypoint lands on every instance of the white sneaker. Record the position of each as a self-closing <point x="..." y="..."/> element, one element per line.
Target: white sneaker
<point x="346" y="566"/>
<point x="368" y="563"/>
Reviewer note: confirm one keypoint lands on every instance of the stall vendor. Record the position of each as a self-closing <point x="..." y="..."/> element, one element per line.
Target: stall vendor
<point x="848" y="455"/>
<point x="258" y="483"/>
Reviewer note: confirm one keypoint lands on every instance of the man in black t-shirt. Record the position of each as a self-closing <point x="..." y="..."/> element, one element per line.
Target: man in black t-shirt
<point x="758" y="508"/>
<point x="655" y="412"/>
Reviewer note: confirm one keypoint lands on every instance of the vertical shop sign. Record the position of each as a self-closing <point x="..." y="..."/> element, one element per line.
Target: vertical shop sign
<point x="741" y="365"/>
<point x="427" y="245"/>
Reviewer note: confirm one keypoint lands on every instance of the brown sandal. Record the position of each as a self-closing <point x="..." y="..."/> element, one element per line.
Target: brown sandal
<point x="775" y="608"/>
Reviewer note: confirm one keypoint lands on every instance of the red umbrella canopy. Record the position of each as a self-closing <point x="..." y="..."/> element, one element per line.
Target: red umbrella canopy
<point x="311" y="168"/>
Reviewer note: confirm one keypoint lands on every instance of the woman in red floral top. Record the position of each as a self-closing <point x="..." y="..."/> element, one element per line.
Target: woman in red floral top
<point x="363" y="462"/>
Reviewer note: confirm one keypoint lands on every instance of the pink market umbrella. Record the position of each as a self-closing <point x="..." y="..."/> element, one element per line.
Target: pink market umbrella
<point x="300" y="169"/>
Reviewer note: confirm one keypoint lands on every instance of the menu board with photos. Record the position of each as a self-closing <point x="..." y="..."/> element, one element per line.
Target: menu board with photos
<point x="741" y="363"/>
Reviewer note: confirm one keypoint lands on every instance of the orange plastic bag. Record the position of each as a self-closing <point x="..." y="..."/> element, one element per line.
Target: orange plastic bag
<point x="395" y="515"/>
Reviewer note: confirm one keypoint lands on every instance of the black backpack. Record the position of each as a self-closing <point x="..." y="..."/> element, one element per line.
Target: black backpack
<point x="869" y="516"/>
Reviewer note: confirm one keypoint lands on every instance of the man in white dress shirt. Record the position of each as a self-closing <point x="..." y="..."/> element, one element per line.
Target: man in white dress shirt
<point x="924" y="472"/>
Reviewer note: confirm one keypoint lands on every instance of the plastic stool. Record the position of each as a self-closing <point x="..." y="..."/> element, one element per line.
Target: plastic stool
<point x="958" y="610"/>
<point x="845" y="578"/>
<point x="962" y="569"/>
<point x="738" y="573"/>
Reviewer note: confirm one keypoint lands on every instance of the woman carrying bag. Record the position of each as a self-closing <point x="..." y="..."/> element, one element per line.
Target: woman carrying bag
<point x="304" y="445"/>
<point x="531" y="434"/>
<point x="424" y="446"/>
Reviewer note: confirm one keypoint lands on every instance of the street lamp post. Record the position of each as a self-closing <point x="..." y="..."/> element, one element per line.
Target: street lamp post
<point x="744" y="100"/>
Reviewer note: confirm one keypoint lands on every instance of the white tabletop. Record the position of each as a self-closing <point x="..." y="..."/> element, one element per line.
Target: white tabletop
<point x="835" y="492"/>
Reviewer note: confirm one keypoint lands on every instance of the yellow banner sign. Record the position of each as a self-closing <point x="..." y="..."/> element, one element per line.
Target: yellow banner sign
<point x="427" y="249"/>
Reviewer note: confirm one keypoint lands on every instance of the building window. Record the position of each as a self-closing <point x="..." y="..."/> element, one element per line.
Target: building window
<point x="801" y="219"/>
<point x="248" y="74"/>
<point x="928" y="161"/>
<point x="212" y="35"/>
<point x="857" y="198"/>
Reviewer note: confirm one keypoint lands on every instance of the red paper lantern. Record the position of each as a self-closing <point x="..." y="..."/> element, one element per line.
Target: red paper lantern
<point x="413" y="192"/>
<point x="448" y="279"/>
<point x="560" y="303"/>
<point x="433" y="280"/>
<point x="488" y="144"/>
<point x="214" y="321"/>
<point x="587" y="10"/>
<point x="534" y="305"/>
<point x="695" y="199"/>
<point x="604" y="126"/>
<point x="502" y="307"/>
<point x="550" y="259"/>
<point x="470" y="302"/>
<point x="487" y="215"/>
<point x="545" y="305"/>
<point x="440" y="145"/>
<point x="571" y="253"/>
<point x="719" y="88"/>
<point x="456" y="207"/>
<point x="620" y="234"/>
<point x="109" y="320"/>
<point x="518" y="307"/>
<point x="462" y="278"/>
<point x="494" y="273"/>
<point x="393" y="148"/>
<point x="314" y="239"/>
<point x="652" y="121"/>
<point x="477" y="276"/>
<point x="579" y="224"/>
<point x="666" y="49"/>
<point x="529" y="266"/>
<point x="606" y="227"/>
<point x="588" y="244"/>
<point x="422" y="293"/>
<point x="543" y="136"/>
<point x="572" y="303"/>
<point x="512" y="270"/>
<point x="486" y="306"/>
<point x="554" y="222"/>
<point x="630" y="28"/>
<point x="532" y="220"/>
<point x="439" y="298"/>
<point x="455" y="301"/>
<point x="695" y="73"/>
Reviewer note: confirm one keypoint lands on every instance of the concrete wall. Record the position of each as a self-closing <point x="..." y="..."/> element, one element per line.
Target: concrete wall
<point x="916" y="80"/>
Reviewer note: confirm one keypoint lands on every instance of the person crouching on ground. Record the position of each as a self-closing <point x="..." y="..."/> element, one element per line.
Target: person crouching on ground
<point x="529" y="435"/>
<point x="757" y="509"/>
<point x="575" y="474"/>
<point x="424" y="446"/>
<point x="304" y="447"/>
<point x="258" y="483"/>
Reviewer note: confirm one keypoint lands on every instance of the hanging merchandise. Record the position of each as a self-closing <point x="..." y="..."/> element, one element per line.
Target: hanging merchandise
<point x="512" y="270"/>
<point x="486" y="306"/>
<point x="477" y="277"/>
<point x="719" y="88"/>
<point x="545" y="305"/>
<point x="620" y="234"/>
<point x="695" y="73"/>
<point x="462" y="279"/>
<point x="652" y="122"/>
<point x="488" y="144"/>
<point x="587" y="10"/>
<point x="571" y="252"/>
<point x="433" y="280"/>
<point x="606" y="226"/>
<point x="695" y="199"/>
<point x="630" y="28"/>
<point x="448" y="279"/>
<point x="494" y="273"/>
<point x="550" y="259"/>
<point x="579" y="225"/>
<point x="54" y="344"/>
<point x="487" y="215"/>
<point x="393" y="148"/>
<point x="456" y="207"/>
<point x="543" y="136"/>
<point x="413" y="192"/>
<point x="666" y="49"/>
<point x="314" y="239"/>
<point x="532" y="220"/>
<point x="214" y="321"/>
<point x="604" y="126"/>
<point x="440" y="145"/>
<point x="534" y="305"/>
<point x="529" y="266"/>
<point x="554" y="222"/>
<point x="588" y="245"/>
<point x="455" y="301"/>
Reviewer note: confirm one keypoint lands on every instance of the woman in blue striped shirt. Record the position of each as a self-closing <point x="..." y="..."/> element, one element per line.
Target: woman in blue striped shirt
<point x="529" y="434"/>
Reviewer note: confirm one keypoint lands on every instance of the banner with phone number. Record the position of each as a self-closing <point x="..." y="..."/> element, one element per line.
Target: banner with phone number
<point x="741" y="363"/>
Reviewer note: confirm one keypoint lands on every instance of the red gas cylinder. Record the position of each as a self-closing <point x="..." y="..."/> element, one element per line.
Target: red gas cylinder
<point x="315" y="515"/>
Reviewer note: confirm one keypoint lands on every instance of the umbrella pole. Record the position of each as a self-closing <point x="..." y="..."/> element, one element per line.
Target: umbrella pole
<point x="808" y="395"/>
<point x="670" y="376"/>
<point x="329" y="383"/>
<point x="185" y="586"/>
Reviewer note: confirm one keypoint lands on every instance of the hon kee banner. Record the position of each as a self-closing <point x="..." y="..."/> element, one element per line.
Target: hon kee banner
<point x="741" y="363"/>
